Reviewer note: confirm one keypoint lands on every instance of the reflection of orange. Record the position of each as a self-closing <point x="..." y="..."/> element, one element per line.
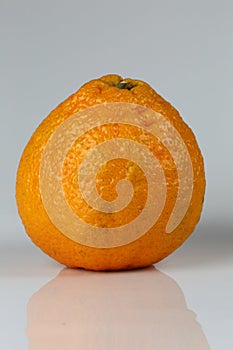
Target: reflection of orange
<point x="142" y="309"/>
<point x="156" y="243"/>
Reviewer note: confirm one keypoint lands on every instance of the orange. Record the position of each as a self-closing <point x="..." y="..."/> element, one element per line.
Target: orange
<point x="112" y="179"/>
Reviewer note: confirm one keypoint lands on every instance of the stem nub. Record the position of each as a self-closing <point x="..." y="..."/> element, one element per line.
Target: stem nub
<point x="125" y="85"/>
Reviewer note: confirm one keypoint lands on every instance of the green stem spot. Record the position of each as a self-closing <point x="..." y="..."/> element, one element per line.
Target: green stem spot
<point x="125" y="85"/>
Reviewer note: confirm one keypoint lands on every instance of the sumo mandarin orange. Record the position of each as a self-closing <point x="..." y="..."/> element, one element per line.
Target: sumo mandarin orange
<point x="112" y="179"/>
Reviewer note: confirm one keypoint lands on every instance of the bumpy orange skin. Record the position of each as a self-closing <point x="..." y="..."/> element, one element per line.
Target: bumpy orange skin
<point x="148" y="249"/>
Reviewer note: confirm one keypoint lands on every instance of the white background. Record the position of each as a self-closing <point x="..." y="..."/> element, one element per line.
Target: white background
<point x="184" y="50"/>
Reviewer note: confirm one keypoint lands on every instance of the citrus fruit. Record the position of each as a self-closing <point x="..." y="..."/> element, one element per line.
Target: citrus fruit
<point x="112" y="179"/>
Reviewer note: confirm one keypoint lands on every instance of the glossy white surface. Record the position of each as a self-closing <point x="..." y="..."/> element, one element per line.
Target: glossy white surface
<point x="184" y="302"/>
